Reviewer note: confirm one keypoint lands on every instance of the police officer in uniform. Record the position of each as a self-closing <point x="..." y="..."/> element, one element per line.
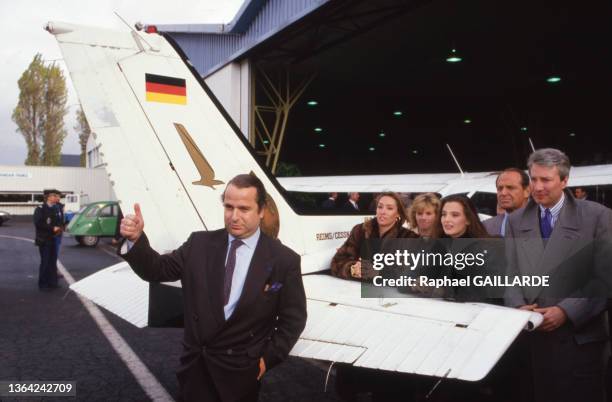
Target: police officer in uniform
<point x="48" y="226"/>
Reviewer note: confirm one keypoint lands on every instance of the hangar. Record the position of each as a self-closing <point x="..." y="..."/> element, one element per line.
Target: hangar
<point x="353" y="86"/>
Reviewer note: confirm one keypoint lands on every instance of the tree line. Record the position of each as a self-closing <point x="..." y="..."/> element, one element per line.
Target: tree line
<point x="40" y="112"/>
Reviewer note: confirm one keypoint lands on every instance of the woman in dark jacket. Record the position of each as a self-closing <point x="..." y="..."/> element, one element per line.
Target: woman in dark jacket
<point x="352" y="262"/>
<point x="464" y="232"/>
<point x="388" y="224"/>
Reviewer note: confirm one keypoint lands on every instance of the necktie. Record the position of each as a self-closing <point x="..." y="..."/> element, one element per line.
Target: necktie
<point x="229" y="269"/>
<point x="546" y="224"/>
<point x="502" y="230"/>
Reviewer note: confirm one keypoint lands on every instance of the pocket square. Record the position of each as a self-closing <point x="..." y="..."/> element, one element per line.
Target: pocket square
<point x="275" y="287"/>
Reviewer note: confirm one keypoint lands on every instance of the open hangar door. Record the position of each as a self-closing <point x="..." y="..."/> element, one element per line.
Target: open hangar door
<point x="381" y="87"/>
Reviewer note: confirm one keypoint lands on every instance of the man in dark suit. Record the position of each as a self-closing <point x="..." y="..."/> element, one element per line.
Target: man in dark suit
<point x="568" y="240"/>
<point x="330" y="203"/>
<point x="512" y="193"/>
<point x="244" y="301"/>
<point x="580" y="193"/>
<point x="351" y="204"/>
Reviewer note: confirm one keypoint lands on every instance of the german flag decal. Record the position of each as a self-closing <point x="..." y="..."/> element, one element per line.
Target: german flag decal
<point x="165" y="89"/>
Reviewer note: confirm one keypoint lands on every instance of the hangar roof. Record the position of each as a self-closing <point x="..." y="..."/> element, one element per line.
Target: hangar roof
<point x="211" y="46"/>
<point x="373" y="59"/>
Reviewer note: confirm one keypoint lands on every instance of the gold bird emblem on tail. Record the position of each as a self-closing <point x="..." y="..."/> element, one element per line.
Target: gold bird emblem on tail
<point x="207" y="174"/>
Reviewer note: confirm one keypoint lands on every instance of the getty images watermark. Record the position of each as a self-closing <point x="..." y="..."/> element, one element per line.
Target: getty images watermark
<point x="406" y="260"/>
<point x="464" y="270"/>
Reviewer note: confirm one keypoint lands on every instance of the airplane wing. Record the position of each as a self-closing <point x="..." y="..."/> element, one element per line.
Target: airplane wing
<point x="594" y="175"/>
<point x="167" y="143"/>
<point x="129" y="298"/>
<point x="369" y="183"/>
<point x="407" y="335"/>
<point x="443" y="183"/>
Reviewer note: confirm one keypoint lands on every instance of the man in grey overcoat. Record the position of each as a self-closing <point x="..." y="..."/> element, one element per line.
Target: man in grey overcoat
<point x="569" y="240"/>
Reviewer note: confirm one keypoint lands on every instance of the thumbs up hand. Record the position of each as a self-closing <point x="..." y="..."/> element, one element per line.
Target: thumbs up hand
<point x="132" y="226"/>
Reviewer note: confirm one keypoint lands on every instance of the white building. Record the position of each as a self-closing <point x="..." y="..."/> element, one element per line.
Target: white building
<point x="21" y="187"/>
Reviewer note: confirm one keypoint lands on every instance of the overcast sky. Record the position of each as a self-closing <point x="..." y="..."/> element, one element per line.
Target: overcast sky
<point x="21" y="28"/>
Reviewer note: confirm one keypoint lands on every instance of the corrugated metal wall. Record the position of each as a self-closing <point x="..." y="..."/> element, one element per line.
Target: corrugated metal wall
<point x="208" y="52"/>
<point x="23" y="179"/>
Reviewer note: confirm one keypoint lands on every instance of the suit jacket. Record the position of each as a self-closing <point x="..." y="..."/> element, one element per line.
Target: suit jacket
<point x="329" y="204"/>
<point x="577" y="257"/>
<point x="349" y="207"/>
<point x="494" y="224"/>
<point x="268" y="319"/>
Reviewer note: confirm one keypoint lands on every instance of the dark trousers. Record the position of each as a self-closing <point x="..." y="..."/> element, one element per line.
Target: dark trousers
<point x="564" y="371"/>
<point x="197" y="385"/>
<point x="47" y="271"/>
<point x="385" y="386"/>
<point x="609" y="368"/>
<point x="58" y="243"/>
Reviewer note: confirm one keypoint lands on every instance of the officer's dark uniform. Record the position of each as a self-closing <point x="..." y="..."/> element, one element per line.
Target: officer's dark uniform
<point x="59" y="210"/>
<point x="45" y="218"/>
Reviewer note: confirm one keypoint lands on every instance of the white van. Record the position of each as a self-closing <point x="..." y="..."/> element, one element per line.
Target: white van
<point x="72" y="204"/>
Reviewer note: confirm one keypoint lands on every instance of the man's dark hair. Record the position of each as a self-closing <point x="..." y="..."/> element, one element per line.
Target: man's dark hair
<point x="249" y="180"/>
<point x="522" y="173"/>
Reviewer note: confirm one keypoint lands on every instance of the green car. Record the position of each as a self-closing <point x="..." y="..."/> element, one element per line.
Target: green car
<point x="95" y="220"/>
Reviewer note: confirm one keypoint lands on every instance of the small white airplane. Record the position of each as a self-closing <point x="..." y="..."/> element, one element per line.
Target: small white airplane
<point x="169" y="145"/>
<point x="442" y="183"/>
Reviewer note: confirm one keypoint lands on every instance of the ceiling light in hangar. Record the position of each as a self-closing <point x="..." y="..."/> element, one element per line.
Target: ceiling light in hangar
<point x="382" y="134"/>
<point x="312" y="103"/>
<point x="398" y="113"/>
<point x="453" y="57"/>
<point x="467" y="121"/>
<point x="321" y="145"/>
<point x="523" y="129"/>
<point x="318" y="129"/>
<point x="553" y="79"/>
<point x="371" y="149"/>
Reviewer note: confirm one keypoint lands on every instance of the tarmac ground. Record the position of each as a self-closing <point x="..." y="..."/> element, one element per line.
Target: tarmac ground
<point x="50" y="335"/>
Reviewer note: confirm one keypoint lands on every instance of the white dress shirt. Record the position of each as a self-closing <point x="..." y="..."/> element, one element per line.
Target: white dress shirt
<point x="244" y="255"/>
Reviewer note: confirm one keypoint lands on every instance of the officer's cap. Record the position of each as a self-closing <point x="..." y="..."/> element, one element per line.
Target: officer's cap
<point x="49" y="191"/>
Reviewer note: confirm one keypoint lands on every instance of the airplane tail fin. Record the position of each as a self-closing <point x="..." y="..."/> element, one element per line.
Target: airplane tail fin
<point x="165" y="139"/>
